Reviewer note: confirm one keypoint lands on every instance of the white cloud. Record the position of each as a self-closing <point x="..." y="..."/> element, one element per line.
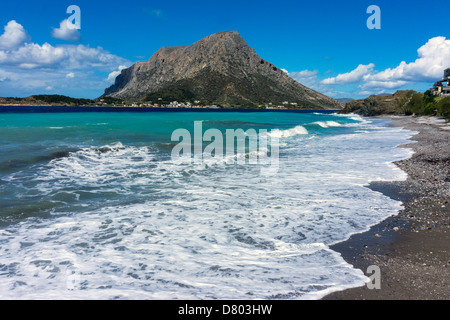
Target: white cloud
<point x="433" y="58"/>
<point x="32" y="55"/>
<point x="30" y="68"/>
<point x="306" y="77"/>
<point x="351" y="77"/>
<point x="13" y="37"/>
<point x="65" y="32"/>
<point x="366" y="93"/>
<point x="20" y="82"/>
<point x="5" y="75"/>
<point x="311" y="80"/>
<point x="383" y="84"/>
<point x="113" y="75"/>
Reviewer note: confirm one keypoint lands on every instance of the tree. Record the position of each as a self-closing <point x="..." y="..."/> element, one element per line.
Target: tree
<point x="428" y="97"/>
<point x="416" y="103"/>
<point x="443" y="107"/>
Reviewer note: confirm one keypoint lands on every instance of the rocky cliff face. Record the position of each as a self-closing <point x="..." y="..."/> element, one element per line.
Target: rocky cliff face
<point x="219" y="69"/>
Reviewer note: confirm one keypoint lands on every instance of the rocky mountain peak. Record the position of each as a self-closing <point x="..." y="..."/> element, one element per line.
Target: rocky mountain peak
<point x="218" y="69"/>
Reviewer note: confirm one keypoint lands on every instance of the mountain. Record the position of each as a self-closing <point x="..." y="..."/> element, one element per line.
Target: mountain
<point x="344" y="100"/>
<point x="219" y="69"/>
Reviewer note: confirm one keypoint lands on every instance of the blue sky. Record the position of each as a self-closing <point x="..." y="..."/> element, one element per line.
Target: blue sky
<point x="325" y="45"/>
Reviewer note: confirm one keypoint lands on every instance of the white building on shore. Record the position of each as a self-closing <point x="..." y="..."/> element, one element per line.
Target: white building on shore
<point x="442" y="87"/>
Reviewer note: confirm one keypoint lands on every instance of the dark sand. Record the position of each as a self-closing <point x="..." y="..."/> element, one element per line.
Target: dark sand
<point x="415" y="258"/>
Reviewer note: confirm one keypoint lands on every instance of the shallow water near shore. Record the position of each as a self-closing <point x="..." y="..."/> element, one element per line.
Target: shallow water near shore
<point x="92" y="207"/>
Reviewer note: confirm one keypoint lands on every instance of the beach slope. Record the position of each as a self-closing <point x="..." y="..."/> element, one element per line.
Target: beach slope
<point x="412" y="249"/>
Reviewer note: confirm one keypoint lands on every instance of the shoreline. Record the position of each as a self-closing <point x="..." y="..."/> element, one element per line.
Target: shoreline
<point x="411" y="248"/>
<point x="209" y="108"/>
<point x="55" y="108"/>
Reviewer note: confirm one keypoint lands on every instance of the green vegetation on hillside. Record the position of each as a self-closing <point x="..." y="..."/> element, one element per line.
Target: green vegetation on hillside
<point x="59" y="100"/>
<point x="407" y="102"/>
<point x="167" y="95"/>
<point x="55" y="98"/>
<point x="428" y="104"/>
<point x="111" y="101"/>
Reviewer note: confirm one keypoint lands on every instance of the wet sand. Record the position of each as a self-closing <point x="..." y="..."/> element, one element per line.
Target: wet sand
<point x="412" y="249"/>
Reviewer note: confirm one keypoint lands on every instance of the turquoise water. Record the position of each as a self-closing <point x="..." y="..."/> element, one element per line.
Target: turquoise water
<point x="91" y="206"/>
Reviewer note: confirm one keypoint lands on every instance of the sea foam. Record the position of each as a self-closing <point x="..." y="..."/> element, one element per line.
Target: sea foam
<point x="128" y="223"/>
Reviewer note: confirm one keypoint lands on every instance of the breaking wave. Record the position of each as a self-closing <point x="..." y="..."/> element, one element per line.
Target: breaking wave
<point x="126" y="222"/>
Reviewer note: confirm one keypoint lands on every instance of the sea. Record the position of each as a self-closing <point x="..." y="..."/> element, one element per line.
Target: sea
<point x="92" y="205"/>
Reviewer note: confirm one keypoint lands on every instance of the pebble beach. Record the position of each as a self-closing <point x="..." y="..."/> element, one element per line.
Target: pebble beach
<point x="412" y="248"/>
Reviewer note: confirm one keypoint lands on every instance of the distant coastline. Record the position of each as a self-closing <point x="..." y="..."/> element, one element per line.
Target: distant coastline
<point x="62" y="108"/>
